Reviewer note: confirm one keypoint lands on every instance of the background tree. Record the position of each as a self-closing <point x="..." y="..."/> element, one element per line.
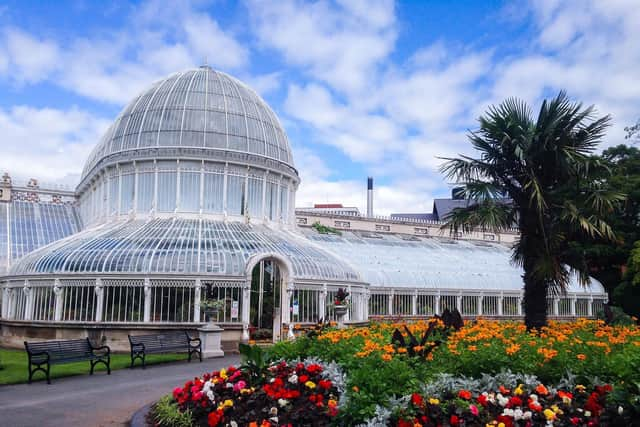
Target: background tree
<point x="545" y="168"/>
<point x="607" y="259"/>
<point x="633" y="132"/>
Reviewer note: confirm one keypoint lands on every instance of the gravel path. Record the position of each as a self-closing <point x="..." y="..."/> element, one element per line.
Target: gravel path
<point x="98" y="400"/>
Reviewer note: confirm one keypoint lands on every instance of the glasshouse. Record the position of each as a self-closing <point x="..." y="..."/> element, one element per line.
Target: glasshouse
<point x="190" y="196"/>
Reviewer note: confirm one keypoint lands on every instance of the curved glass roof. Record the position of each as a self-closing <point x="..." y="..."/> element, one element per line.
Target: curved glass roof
<point x="199" y="108"/>
<point x="397" y="261"/>
<point x="184" y="246"/>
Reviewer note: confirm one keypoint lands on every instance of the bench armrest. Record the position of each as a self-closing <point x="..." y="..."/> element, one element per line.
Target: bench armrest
<point x="194" y="342"/>
<point x="136" y="344"/>
<point x="102" y="348"/>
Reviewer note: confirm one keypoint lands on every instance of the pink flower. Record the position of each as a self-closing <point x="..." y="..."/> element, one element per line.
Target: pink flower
<point x="239" y="386"/>
<point x="474" y="410"/>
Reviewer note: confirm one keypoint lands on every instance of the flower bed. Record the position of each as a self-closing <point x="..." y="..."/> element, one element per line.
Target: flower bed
<point x="289" y="395"/>
<point x="583" y="373"/>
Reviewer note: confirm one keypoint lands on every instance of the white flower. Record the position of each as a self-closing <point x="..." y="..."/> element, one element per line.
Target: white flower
<point x="233" y="424"/>
<point x="527" y="415"/>
<point x="502" y="401"/>
<point x="283" y="402"/>
<point x="620" y="410"/>
<point x="211" y="396"/>
<point x="518" y="414"/>
<point x="293" y="379"/>
<point x="508" y="412"/>
<point x="587" y="413"/>
<point x="273" y="411"/>
<point x="534" y="397"/>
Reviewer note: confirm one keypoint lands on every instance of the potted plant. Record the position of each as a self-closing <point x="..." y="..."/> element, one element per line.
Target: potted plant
<point x="211" y="307"/>
<point x="340" y="303"/>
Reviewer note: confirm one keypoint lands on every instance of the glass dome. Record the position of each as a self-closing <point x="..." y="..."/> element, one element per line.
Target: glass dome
<point x="196" y="142"/>
<point x="200" y="108"/>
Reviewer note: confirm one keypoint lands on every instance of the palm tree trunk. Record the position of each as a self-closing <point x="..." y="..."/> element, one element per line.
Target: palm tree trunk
<point x="535" y="302"/>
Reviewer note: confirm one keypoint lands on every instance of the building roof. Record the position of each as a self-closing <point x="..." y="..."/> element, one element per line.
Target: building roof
<point x="202" y="110"/>
<point x="181" y="246"/>
<point x="402" y="261"/>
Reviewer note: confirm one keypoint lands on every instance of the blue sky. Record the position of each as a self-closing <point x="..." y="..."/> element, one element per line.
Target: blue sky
<point x="362" y="88"/>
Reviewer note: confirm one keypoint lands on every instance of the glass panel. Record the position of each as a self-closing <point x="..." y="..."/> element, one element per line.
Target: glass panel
<point x="235" y="195"/>
<point x="190" y="191"/>
<point x="254" y="203"/>
<point x="113" y="195"/>
<point x="126" y="193"/>
<point x="167" y="182"/>
<point x="146" y="191"/>
<point x="213" y="192"/>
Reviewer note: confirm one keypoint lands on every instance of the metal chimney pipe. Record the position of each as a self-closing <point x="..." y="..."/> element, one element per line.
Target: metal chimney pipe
<point x="370" y="197"/>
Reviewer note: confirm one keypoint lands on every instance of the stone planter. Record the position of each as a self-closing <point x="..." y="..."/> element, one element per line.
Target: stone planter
<point x="211" y="315"/>
<point x="341" y="311"/>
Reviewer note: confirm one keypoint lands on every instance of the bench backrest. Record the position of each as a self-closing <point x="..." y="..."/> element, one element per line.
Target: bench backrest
<point x="61" y="349"/>
<point x="170" y="339"/>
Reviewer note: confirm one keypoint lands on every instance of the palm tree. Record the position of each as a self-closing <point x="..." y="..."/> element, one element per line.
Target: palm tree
<point x="539" y="175"/>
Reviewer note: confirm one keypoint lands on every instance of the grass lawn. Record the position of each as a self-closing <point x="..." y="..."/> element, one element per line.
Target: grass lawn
<point x="13" y="365"/>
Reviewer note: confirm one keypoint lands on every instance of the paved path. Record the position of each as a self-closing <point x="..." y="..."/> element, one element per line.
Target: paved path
<point x="98" y="400"/>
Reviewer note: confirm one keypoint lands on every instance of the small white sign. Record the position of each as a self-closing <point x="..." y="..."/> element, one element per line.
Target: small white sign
<point x="234" y="309"/>
<point x="296" y="308"/>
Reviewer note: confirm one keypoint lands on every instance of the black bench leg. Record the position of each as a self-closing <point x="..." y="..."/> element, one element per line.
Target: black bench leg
<point x="30" y="373"/>
<point x="48" y="371"/>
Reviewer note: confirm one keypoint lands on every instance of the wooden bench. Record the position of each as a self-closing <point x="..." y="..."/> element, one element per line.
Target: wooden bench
<point x="56" y="352"/>
<point x="169" y="342"/>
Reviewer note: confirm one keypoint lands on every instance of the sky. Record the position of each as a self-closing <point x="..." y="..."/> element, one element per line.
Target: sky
<point x="362" y="88"/>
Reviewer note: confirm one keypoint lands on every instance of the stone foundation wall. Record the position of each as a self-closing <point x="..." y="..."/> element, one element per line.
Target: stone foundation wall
<point x="14" y="333"/>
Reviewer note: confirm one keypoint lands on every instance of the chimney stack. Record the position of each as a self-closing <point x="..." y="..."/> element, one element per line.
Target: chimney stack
<point x="370" y="197"/>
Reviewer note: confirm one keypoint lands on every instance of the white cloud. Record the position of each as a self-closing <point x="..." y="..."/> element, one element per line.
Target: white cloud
<point x="47" y="143"/>
<point x="28" y="59"/>
<point x="590" y="49"/>
<point x="154" y="41"/>
<point x="339" y="45"/>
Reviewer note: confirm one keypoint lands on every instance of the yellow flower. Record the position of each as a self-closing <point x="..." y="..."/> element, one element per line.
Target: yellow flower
<point x="434" y="401"/>
<point x="549" y="414"/>
<point x="581" y="388"/>
<point x="223" y="374"/>
<point x="518" y="391"/>
<point x="228" y="403"/>
<point x="501" y="425"/>
<point x="310" y="384"/>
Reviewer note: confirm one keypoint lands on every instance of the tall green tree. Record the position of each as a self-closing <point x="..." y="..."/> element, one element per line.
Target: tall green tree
<point x="542" y="166"/>
<point x="607" y="260"/>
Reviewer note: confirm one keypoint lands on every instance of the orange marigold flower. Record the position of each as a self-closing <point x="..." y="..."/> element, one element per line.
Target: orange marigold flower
<point x="541" y="389"/>
<point x="582" y="356"/>
<point x="386" y="357"/>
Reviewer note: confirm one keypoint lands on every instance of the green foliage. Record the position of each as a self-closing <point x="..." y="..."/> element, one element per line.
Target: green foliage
<point x="213" y="304"/>
<point x="254" y="362"/>
<point x="167" y="414"/>
<point x="541" y="166"/>
<point x="617" y="316"/>
<point x="325" y="229"/>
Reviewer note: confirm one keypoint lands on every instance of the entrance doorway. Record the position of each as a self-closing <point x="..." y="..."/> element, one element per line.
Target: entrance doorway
<point x="265" y="314"/>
